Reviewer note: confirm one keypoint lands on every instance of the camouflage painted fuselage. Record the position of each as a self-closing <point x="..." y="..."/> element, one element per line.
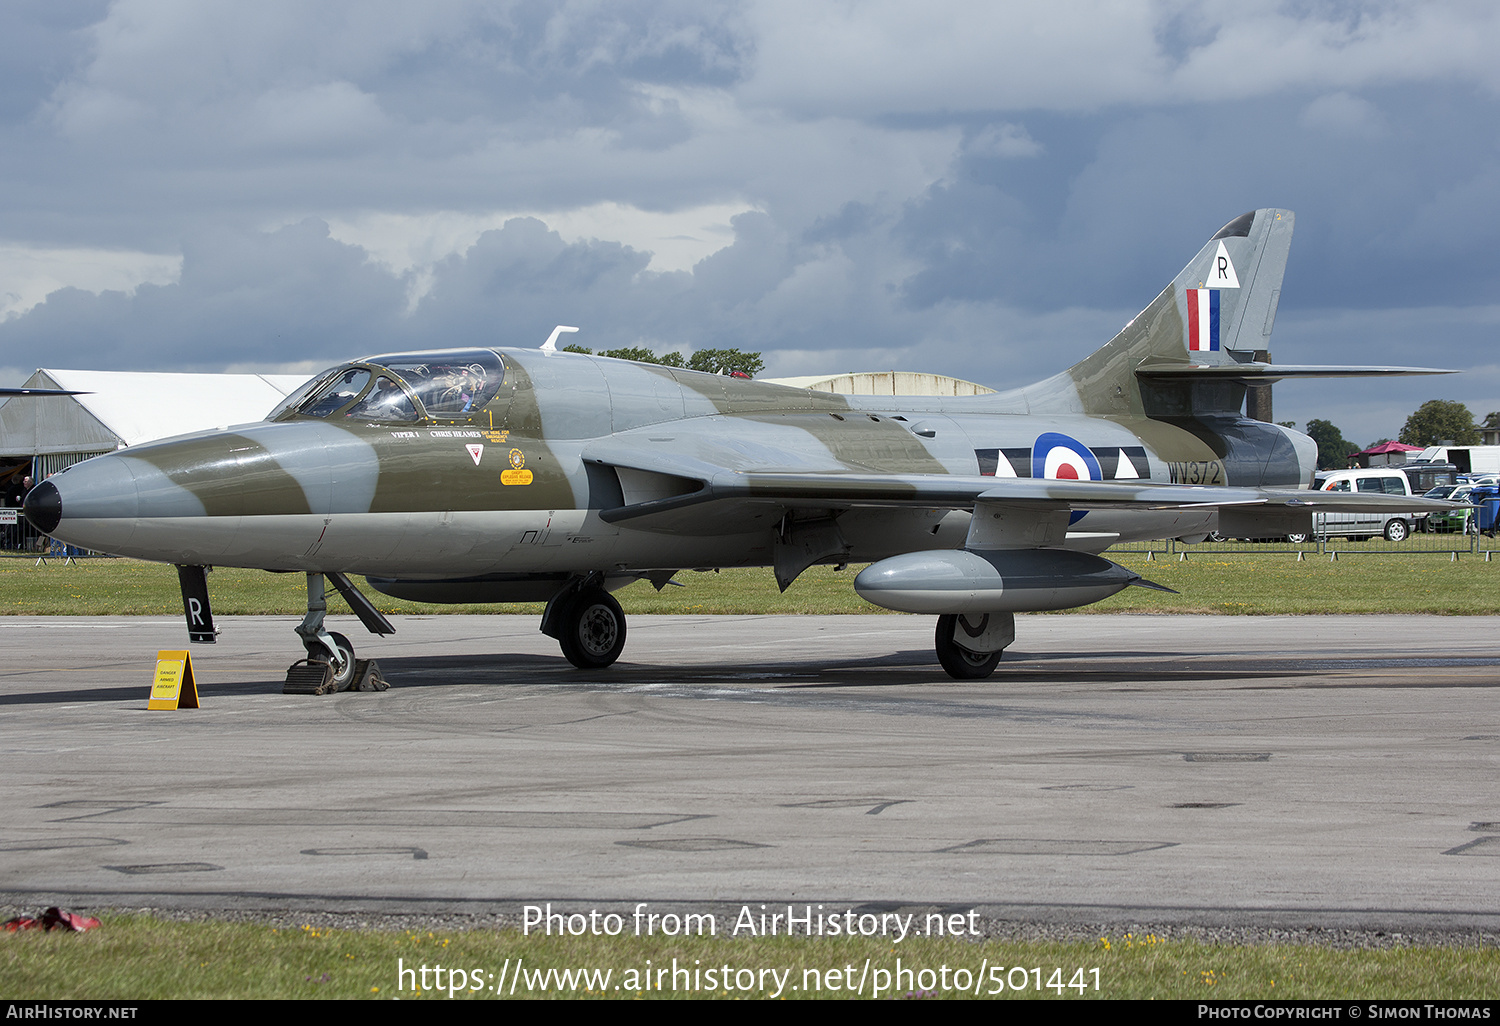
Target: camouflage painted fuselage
<point x="527" y="484"/>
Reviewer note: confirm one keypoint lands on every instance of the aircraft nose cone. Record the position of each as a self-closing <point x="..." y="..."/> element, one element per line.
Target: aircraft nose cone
<point x="93" y="504"/>
<point x="43" y="507"/>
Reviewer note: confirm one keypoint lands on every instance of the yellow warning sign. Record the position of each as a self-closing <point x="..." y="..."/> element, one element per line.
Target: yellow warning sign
<point x="174" y="687"/>
<point x="515" y="477"/>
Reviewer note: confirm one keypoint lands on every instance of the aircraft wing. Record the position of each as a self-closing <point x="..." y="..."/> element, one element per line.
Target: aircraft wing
<point x="666" y="491"/>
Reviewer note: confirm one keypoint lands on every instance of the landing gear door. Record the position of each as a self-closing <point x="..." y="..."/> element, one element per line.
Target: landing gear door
<point x="200" y="618"/>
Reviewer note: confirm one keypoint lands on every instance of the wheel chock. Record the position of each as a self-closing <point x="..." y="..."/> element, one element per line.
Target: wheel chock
<point x="367" y="677"/>
<point x="309" y="677"/>
<point x="315" y="677"/>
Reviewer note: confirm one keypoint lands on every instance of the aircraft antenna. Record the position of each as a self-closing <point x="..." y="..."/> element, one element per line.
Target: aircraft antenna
<point x="550" y="346"/>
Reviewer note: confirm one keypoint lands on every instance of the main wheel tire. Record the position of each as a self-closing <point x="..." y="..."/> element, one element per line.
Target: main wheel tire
<point x="1396" y="530"/>
<point x="960" y="663"/>
<point x="593" y="632"/>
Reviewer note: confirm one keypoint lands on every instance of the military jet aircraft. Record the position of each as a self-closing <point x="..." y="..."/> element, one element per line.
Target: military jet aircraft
<point x="499" y="475"/>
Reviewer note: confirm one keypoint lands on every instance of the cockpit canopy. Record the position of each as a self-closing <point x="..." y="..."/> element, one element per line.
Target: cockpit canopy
<point x="407" y="388"/>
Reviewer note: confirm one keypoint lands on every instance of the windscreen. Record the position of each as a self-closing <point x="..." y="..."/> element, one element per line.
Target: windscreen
<point x="401" y="388"/>
<point x="288" y="406"/>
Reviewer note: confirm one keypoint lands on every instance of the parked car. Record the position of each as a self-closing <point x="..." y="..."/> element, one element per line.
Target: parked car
<point x="1429" y="475"/>
<point x="1389" y="481"/>
<point x="1454" y="520"/>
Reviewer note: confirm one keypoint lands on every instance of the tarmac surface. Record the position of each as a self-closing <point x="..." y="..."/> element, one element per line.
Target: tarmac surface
<point x="1326" y="772"/>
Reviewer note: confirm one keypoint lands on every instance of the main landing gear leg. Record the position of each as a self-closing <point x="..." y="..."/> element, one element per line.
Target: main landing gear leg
<point x="334" y="650"/>
<point x="587" y="622"/>
<point x="969" y="644"/>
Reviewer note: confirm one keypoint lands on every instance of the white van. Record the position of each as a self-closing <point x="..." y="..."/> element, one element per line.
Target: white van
<point x="1469" y="459"/>
<point x="1386" y="480"/>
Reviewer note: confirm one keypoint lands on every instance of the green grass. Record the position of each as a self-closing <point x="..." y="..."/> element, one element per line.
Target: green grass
<point x="1208" y="582"/>
<point x="138" y="957"/>
<point x="1278" y="584"/>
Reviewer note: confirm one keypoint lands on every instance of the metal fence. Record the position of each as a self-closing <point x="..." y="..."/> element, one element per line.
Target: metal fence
<point x="1454" y="545"/>
<point x="17" y="536"/>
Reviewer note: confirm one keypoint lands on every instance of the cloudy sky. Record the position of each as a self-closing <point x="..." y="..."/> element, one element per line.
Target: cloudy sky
<point x="985" y="189"/>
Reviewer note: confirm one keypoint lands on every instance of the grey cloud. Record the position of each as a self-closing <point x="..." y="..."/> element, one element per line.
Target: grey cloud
<point x="457" y="60"/>
<point x="40" y="44"/>
<point x="516" y="283"/>
<point x="1342" y="114"/>
<point x="874" y="59"/>
<point x="1258" y="50"/>
<point x="1378" y="223"/>
<point x="885" y="57"/>
<point x="257" y="298"/>
<point x="1456" y="337"/>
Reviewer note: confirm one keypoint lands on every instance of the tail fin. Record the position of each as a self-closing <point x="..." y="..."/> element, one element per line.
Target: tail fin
<point x="1217" y="313"/>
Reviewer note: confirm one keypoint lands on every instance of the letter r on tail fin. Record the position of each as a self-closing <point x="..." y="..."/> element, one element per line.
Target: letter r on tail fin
<point x="1229" y="292"/>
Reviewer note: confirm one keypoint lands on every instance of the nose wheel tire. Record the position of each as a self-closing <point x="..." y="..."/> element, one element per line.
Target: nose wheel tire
<point x="960" y="663"/>
<point x="593" y="629"/>
<point x="341" y="679"/>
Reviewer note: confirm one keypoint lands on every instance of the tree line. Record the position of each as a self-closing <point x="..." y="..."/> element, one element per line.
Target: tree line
<point x="1435" y="422"/>
<point x="712" y="361"/>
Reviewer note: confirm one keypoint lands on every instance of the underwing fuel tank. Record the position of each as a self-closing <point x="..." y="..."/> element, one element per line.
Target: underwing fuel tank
<point x="991" y="581"/>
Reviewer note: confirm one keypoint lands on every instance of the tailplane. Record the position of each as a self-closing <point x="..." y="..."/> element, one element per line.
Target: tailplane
<point x="1206" y="337"/>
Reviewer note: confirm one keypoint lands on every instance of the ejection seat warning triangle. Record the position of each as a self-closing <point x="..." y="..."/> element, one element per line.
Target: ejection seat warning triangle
<point x="174" y="687"/>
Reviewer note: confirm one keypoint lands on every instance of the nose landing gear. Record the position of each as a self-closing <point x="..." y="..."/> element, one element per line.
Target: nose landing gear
<point x="331" y="665"/>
